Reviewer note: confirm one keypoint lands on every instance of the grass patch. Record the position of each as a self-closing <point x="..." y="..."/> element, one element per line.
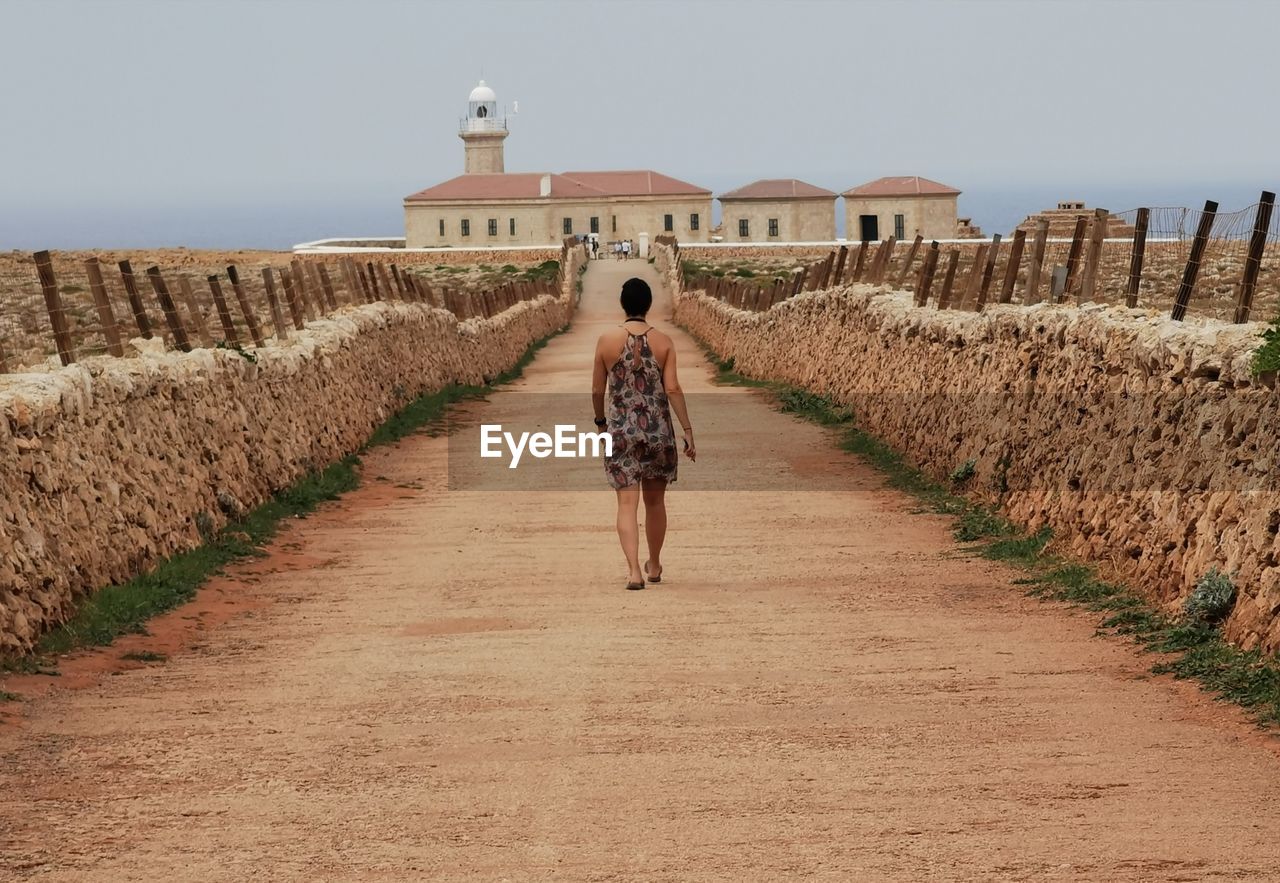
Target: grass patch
<point x="1192" y="645"/>
<point x="125" y="608"/>
<point x="6" y="696"/>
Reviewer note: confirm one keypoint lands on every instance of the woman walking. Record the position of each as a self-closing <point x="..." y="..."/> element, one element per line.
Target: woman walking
<point x="635" y="376"/>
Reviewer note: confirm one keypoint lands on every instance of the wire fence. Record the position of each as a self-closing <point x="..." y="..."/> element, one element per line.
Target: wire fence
<point x="59" y="308"/>
<point x="1203" y="262"/>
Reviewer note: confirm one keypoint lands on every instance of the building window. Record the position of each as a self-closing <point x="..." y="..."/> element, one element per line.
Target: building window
<point x="512" y="225"/>
<point x="442" y="226"/>
<point x="773" y="226"/>
<point x="693" y="221"/>
<point x="899" y="227"/>
<point x="668" y="223"/>
<point x="595" y="225"/>
<point x="615" y="223"/>
<point x="466" y="227"/>
<point x="493" y="226"/>
<point x="744" y="227"/>
<point x="568" y="226"/>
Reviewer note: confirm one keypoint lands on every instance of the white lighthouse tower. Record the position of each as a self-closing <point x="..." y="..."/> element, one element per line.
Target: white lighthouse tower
<point x="483" y="131"/>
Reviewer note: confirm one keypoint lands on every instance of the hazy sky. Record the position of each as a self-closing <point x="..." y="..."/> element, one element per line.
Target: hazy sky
<point x="231" y="122"/>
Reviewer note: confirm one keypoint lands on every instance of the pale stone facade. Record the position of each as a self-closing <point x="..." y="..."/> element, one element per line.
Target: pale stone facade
<point x="541" y="220"/>
<point x="902" y="207"/>
<point x="778" y="210"/>
<point x="488" y="207"/>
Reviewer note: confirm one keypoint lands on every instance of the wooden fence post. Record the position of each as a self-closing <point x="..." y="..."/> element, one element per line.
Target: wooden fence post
<point x="170" y="310"/>
<point x="827" y="266"/>
<point x="300" y="286"/>
<point x="974" y="280"/>
<point x="906" y="265"/>
<point x="106" y="316"/>
<point x="291" y="300"/>
<point x="246" y="308"/>
<point x="229" y="334"/>
<point x="1135" y="259"/>
<point x="1188" y="286"/>
<point x="385" y="279"/>
<point x="1031" y="293"/>
<point x="1093" y="257"/>
<point x="927" y="269"/>
<point x="349" y="282"/>
<point x="944" y="298"/>
<point x="883" y="266"/>
<point x="1012" y="267"/>
<point x="53" y="303"/>
<point x="1073" y="256"/>
<point x="1253" y="263"/>
<point x="841" y="259"/>
<point x="322" y="296"/>
<point x="327" y="286"/>
<point x="273" y="304"/>
<point x="987" y="272"/>
<point x="858" y="262"/>
<point x="366" y="282"/>
<point x="375" y="292"/>
<point x="135" y="300"/>
<point x="874" y="264"/>
<point x="193" y="309"/>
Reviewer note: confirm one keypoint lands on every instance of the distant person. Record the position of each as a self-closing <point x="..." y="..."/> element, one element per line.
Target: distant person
<point x="626" y="249"/>
<point x="595" y="248"/>
<point x="636" y="365"/>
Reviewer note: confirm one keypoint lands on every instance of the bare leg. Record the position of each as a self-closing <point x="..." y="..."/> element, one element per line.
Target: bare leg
<point x="629" y="530"/>
<point x="655" y="521"/>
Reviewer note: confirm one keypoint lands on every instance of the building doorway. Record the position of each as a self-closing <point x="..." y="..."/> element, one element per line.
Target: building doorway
<point x="869" y="227"/>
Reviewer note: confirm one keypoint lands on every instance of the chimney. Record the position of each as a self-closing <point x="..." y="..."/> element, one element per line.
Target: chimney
<point x="544" y="188"/>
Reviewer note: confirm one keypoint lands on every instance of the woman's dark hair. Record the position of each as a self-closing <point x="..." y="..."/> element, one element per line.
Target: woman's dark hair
<point x="636" y="297"/>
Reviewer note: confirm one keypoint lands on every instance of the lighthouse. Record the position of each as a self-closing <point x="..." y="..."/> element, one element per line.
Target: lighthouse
<point x="482" y="132"/>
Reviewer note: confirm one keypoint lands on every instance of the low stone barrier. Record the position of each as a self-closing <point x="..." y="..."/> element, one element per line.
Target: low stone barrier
<point x="111" y="464"/>
<point x="1144" y="443"/>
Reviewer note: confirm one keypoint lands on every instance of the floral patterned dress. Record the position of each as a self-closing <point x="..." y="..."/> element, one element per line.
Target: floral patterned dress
<point x="639" y="418"/>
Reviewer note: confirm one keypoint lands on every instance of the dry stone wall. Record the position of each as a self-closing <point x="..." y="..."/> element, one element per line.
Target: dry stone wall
<point x="1144" y="443"/>
<point x="111" y="464"/>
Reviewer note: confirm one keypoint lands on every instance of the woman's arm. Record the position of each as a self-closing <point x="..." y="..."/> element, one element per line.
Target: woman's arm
<point x="598" y="383"/>
<point x="675" y="395"/>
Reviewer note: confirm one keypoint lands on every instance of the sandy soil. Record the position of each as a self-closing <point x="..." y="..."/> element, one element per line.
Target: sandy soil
<point x="434" y="684"/>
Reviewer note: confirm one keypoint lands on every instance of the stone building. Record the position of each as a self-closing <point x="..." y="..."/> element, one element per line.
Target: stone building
<point x="901" y="207"/>
<point x="489" y="206"/>
<point x="778" y="209"/>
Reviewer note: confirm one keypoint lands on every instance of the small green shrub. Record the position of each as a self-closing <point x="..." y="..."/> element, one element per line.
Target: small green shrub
<point x="1211" y="599"/>
<point x="744" y="273"/>
<point x="1267" y="356"/>
<point x="964" y="472"/>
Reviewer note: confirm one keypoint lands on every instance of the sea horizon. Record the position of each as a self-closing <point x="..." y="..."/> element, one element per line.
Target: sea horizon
<point x="280" y="223"/>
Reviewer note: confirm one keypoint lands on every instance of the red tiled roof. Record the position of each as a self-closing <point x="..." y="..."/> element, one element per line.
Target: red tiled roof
<point x="906" y="185"/>
<point x="521" y="185"/>
<point x="638" y="182"/>
<point x="570" y="185"/>
<point x="778" y="188"/>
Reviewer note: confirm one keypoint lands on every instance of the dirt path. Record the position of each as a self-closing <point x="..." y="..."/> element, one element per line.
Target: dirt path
<point x="452" y="685"/>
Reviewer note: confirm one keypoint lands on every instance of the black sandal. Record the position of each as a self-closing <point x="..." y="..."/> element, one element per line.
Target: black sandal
<point x="651" y="577"/>
<point x="634" y="586"/>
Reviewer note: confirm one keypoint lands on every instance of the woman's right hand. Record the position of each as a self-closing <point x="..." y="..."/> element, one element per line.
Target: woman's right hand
<point x="689" y="450"/>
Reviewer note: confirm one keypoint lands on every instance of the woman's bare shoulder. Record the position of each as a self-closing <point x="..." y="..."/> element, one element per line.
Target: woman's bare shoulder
<point x="613" y="335"/>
